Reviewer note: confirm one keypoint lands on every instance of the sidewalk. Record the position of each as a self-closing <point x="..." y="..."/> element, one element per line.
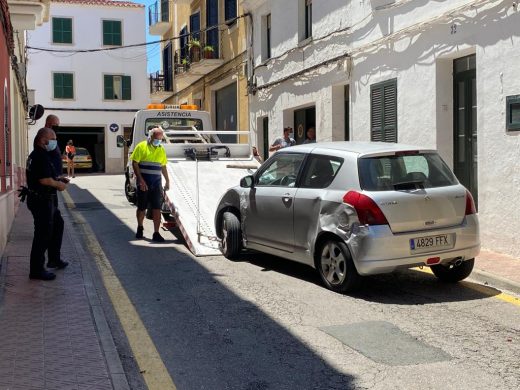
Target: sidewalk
<point x="53" y="333"/>
<point x="497" y="270"/>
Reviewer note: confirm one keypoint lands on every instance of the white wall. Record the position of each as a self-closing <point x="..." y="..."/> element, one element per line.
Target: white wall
<point x="414" y="42"/>
<point x="88" y="70"/>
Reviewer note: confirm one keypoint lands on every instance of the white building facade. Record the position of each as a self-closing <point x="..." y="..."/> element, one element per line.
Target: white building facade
<point x="82" y="70"/>
<point x="440" y="74"/>
<point x="16" y="17"/>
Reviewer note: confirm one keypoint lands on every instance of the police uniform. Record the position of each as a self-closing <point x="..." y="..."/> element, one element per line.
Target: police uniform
<point x="151" y="159"/>
<point x="42" y="201"/>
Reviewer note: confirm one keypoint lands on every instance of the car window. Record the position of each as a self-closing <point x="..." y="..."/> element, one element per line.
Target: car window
<point x="282" y="171"/>
<point x="399" y="172"/>
<point x="320" y="171"/>
<point x="81" y="152"/>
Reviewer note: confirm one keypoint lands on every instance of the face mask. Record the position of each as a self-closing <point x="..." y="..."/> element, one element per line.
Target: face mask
<point x="156" y="142"/>
<point x="51" y="145"/>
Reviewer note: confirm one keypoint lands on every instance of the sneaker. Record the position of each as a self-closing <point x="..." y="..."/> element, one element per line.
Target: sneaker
<point x="60" y="264"/>
<point x="44" y="275"/>
<point x="139" y="233"/>
<point x="157" y="237"/>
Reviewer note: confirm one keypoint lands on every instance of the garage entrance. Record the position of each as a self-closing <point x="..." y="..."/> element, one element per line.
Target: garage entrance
<point x="91" y="138"/>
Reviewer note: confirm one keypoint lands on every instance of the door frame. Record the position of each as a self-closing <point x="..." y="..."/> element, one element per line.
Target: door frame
<point x="467" y="169"/>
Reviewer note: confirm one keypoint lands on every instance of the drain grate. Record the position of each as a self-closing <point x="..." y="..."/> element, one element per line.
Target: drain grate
<point x="385" y="343"/>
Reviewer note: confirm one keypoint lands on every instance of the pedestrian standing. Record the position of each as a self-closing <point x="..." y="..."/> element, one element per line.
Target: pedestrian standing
<point x="149" y="162"/>
<point x="283" y="142"/>
<point x="70" y="152"/>
<point x="42" y="201"/>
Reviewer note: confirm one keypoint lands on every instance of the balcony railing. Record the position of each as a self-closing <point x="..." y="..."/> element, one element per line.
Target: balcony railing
<point x="197" y="47"/>
<point x="160" y="83"/>
<point x="158" y="12"/>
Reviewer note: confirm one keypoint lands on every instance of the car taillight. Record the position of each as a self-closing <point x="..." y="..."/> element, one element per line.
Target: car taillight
<point x="89" y="158"/>
<point x="367" y="210"/>
<point x="470" y="204"/>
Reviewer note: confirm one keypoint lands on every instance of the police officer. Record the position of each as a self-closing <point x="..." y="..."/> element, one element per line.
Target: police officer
<point x="42" y="201"/>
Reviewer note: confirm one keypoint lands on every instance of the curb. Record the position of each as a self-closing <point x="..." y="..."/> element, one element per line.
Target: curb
<point x="106" y="341"/>
<point x="498" y="282"/>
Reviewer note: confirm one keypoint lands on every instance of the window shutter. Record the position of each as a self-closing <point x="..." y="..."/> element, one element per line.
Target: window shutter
<point x="117" y="33"/>
<point x="57" y="85"/>
<point x="67" y="30"/>
<point x="383" y="112"/>
<point x="390" y="112"/>
<point x="63" y="86"/>
<point x="106" y="32"/>
<point x="68" y="88"/>
<point x="127" y="88"/>
<point x="61" y="30"/>
<point x="111" y="33"/>
<point x="108" y="87"/>
<point x="376" y="120"/>
<point x="56" y="30"/>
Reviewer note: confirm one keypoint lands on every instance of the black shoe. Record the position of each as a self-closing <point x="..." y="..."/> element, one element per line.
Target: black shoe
<point x="60" y="264"/>
<point x="44" y="275"/>
<point x="157" y="237"/>
<point x="139" y="233"/>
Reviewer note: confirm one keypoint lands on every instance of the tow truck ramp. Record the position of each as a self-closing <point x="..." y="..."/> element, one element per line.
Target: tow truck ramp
<point x="200" y="173"/>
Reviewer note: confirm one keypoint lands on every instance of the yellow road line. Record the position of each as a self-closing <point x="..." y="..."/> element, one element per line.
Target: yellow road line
<point x="486" y="290"/>
<point x="150" y="363"/>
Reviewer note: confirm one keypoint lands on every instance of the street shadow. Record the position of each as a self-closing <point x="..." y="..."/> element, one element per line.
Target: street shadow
<point x="403" y="287"/>
<point x="207" y="335"/>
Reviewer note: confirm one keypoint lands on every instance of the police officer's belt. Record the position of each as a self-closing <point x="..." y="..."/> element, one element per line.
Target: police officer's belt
<point x="24" y="192"/>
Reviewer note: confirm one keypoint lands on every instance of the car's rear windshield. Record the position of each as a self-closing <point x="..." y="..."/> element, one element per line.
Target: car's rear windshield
<point x="81" y="152"/>
<point x="408" y="170"/>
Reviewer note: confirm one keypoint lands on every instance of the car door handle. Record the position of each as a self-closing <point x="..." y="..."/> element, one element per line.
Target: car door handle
<point x="286" y="197"/>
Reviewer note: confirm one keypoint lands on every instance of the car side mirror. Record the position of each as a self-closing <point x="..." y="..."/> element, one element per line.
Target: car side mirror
<point x="247" y="182"/>
<point x="121" y="141"/>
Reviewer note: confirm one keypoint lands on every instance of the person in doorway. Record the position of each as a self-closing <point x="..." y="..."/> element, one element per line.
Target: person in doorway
<point x="283" y="142"/>
<point x="311" y="136"/>
<point x="70" y="151"/>
<point x="148" y="162"/>
<point x="42" y="201"/>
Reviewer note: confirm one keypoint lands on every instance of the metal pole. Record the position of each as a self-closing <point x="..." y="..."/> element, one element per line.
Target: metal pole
<point x="197" y="190"/>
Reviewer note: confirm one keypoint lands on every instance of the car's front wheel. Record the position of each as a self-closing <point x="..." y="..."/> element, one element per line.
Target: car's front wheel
<point x="453" y="273"/>
<point x="231" y="243"/>
<point x="336" y="268"/>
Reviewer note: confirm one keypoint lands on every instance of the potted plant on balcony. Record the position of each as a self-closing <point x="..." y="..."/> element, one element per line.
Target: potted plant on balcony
<point x="185" y="62"/>
<point x="208" y="51"/>
<point x="194" y="46"/>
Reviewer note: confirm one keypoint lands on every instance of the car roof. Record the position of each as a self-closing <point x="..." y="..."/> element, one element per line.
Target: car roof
<point x="358" y="147"/>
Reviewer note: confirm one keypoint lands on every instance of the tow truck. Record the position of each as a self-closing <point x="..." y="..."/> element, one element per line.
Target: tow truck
<point x="202" y="164"/>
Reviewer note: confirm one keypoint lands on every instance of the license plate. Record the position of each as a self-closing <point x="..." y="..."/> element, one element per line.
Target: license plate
<point x="427" y="243"/>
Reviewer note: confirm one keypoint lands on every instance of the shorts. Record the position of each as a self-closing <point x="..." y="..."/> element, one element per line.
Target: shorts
<point x="152" y="198"/>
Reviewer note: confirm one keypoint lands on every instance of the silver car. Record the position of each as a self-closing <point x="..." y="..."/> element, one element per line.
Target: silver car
<point x="350" y="209"/>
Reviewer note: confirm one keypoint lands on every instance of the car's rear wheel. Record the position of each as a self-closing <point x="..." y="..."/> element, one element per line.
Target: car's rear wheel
<point x="130" y="192"/>
<point x="231" y="243"/>
<point x="453" y="273"/>
<point x="336" y="268"/>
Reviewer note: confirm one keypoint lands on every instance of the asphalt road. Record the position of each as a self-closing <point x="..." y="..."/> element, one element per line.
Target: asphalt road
<point x="266" y="323"/>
